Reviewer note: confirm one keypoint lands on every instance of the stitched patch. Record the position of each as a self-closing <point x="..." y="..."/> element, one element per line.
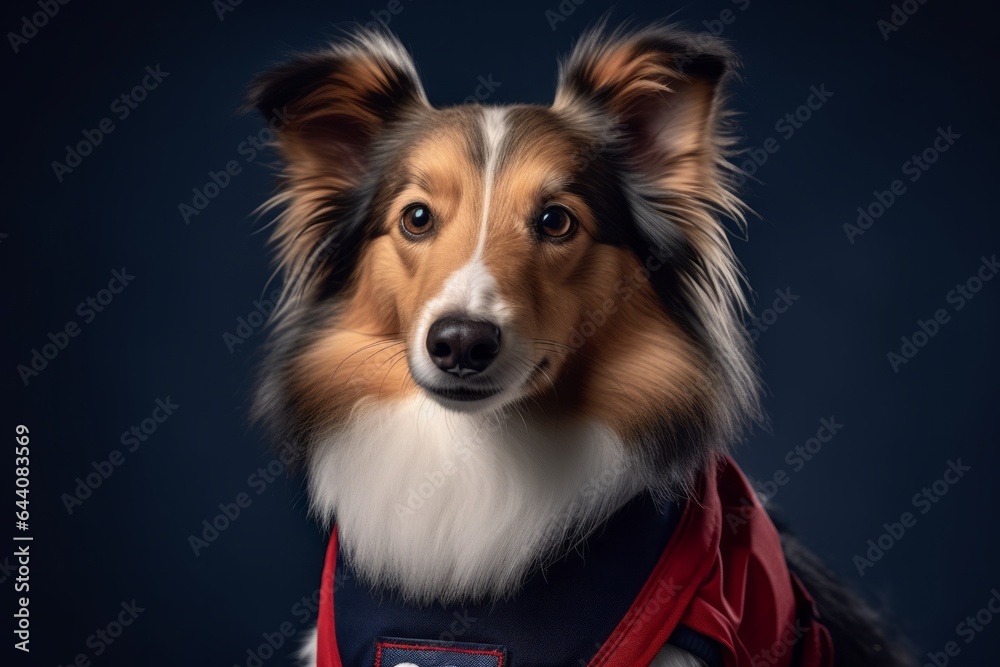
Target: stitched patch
<point x="390" y="652"/>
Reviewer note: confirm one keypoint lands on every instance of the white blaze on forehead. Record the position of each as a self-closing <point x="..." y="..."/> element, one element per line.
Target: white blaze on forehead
<point x="494" y="123"/>
<point x="471" y="290"/>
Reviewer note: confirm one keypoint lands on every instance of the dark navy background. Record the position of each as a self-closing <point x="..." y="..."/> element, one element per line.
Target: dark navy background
<point x="162" y="337"/>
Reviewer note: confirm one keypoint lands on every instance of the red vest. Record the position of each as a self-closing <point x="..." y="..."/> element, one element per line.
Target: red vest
<point x="722" y="574"/>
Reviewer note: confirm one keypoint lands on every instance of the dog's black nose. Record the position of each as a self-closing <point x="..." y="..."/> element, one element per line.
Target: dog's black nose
<point x="463" y="346"/>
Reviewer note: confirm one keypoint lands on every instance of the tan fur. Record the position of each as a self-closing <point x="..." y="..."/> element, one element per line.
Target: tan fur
<point x="637" y="362"/>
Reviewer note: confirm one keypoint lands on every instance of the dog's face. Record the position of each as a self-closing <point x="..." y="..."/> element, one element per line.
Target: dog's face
<point x="484" y="257"/>
<point x="565" y="260"/>
<point x="486" y="260"/>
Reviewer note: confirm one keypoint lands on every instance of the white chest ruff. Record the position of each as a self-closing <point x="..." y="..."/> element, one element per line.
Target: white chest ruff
<point x="442" y="505"/>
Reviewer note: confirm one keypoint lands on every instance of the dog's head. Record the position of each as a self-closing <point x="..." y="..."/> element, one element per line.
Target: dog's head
<point x="565" y="261"/>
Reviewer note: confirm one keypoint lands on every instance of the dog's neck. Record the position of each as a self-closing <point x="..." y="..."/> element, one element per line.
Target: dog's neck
<point x="442" y="506"/>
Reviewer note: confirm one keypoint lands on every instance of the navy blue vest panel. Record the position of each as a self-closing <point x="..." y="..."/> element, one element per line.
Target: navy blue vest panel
<point x="560" y="618"/>
<point x="391" y="651"/>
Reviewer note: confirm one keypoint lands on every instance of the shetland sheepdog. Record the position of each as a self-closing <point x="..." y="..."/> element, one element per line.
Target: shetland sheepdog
<point x="503" y="326"/>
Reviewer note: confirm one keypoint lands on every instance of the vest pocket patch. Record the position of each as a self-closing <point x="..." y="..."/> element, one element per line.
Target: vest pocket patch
<point x="393" y="652"/>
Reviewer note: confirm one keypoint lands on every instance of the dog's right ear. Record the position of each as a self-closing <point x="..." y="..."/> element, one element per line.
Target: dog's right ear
<point x="326" y="109"/>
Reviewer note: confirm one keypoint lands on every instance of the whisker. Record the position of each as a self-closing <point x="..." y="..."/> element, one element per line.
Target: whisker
<point x="521" y="415"/>
<point x="402" y="385"/>
<point x="566" y="349"/>
<point x="389" y="370"/>
<point x="391" y="342"/>
<point x="378" y="351"/>
<point x="395" y="335"/>
<point x="552" y="383"/>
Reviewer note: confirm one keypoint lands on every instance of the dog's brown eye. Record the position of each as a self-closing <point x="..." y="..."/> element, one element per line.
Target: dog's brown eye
<point x="556" y="222"/>
<point x="416" y="220"/>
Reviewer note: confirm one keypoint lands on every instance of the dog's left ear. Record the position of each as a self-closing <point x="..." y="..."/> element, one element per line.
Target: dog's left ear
<point x="660" y="87"/>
